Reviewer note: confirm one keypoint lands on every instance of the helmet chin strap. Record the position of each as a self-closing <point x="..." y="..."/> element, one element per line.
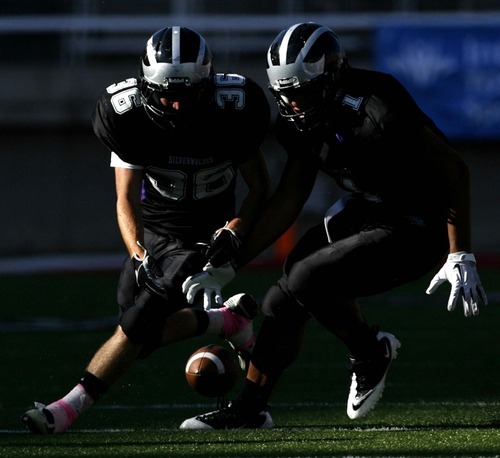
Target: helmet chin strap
<point x="183" y="118"/>
<point x="166" y="124"/>
<point x="181" y="122"/>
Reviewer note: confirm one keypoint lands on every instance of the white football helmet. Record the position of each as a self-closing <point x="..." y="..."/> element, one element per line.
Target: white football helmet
<point x="303" y="64"/>
<point x="176" y="64"/>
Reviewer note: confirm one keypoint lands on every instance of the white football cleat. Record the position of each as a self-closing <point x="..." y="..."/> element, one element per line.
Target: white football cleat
<point x="368" y="377"/>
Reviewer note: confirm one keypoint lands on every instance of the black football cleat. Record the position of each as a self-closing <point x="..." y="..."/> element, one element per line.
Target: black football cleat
<point x="38" y="420"/>
<point x="229" y="418"/>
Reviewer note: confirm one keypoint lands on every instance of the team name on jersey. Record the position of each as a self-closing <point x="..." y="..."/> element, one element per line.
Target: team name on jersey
<point x="190" y="160"/>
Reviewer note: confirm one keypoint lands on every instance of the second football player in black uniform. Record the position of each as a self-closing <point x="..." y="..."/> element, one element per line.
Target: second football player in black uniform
<point x="406" y="205"/>
<point x="178" y="136"/>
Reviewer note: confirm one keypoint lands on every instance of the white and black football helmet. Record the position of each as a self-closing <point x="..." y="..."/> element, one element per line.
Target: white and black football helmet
<point x="176" y="64"/>
<point x="303" y="64"/>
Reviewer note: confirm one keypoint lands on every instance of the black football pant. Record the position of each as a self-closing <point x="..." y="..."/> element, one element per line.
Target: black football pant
<point x="372" y="252"/>
<point x="141" y="314"/>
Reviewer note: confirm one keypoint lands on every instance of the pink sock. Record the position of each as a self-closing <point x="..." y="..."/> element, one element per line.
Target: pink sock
<point x="232" y="322"/>
<point x="230" y="326"/>
<point x="68" y="408"/>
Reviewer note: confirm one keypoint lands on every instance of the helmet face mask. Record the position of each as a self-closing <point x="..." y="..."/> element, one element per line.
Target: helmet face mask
<point x="303" y="105"/>
<point x="176" y="65"/>
<point x="304" y="65"/>
<point x="187" y="98"/>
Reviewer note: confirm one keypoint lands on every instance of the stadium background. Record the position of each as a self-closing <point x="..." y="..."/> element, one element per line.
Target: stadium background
<point x="57" y="187"/>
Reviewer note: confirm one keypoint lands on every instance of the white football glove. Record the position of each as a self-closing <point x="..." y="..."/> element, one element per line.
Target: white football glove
<point x="211" y="280"/>
<point x="460" y="271"/>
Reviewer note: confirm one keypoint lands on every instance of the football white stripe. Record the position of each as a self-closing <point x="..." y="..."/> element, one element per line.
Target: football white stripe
<point x="215" y="359"/>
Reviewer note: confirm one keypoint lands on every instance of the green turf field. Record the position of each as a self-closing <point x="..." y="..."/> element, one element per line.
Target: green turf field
<point x="442" y="395"/>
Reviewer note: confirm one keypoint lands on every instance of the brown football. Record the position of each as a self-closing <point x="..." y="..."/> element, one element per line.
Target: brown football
<point x="212" y="370"/>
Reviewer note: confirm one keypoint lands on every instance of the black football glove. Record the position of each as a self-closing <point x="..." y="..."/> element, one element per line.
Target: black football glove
<point x="148" y="275"/>
<point x="224" y="247"/>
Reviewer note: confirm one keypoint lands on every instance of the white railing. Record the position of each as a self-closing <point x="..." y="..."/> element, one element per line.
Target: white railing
<point x="108" y="34"/>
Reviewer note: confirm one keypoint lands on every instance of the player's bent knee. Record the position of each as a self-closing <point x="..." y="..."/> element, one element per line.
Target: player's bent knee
<point x="306" y="283"/>
<point x="281" y="305"/>
<point x="143" y="323"/>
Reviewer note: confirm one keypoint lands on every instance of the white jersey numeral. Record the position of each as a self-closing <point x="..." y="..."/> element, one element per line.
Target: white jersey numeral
<point x="233" y="95"/>
<point x="126" y="100"/>
<point x="173" y="184"/>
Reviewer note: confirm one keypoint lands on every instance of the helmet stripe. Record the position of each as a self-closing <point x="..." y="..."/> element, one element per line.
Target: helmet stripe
<point x="176" y="45"/>
<point x="150" y="51"/>
<point x="310" y="42"/>
<point x="284" y="44"/>
<point x="201" y="51"/>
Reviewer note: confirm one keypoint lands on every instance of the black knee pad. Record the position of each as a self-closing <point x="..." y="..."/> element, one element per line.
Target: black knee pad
<point x="142" y="315"/>
<point x="303" y="286"/>
<point x="280" y="304"/>
<point x="143" y="322"/>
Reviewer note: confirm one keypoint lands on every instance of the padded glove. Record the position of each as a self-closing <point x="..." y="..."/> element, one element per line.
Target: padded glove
<point x="224" y="247"/>
<point x="148" y="275"/>
<point x="211" y="280"/>
<point x="460" y="271"/>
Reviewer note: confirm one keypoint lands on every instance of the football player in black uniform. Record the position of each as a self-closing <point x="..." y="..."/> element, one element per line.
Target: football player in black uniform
<point x="406" y="205"/>
<point x="178" y="136"/>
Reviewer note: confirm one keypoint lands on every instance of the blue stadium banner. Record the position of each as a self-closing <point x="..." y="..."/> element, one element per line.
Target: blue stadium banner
<point x="453" y="71"/>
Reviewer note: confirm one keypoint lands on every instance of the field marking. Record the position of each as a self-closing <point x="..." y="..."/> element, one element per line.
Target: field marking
<point x="277" y="428"/>
<point x="208" y="406"/>
<point x="58" y="324"/>
<point x="286" y="405"/>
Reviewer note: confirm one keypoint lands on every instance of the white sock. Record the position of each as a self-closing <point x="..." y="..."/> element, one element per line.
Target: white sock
<point x="215" y="321"/>
<point x="68" y="408"/>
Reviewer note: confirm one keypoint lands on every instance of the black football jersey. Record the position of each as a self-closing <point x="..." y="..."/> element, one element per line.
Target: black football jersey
<point x="371" y="143"/>
<point x="190" y="173"/>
